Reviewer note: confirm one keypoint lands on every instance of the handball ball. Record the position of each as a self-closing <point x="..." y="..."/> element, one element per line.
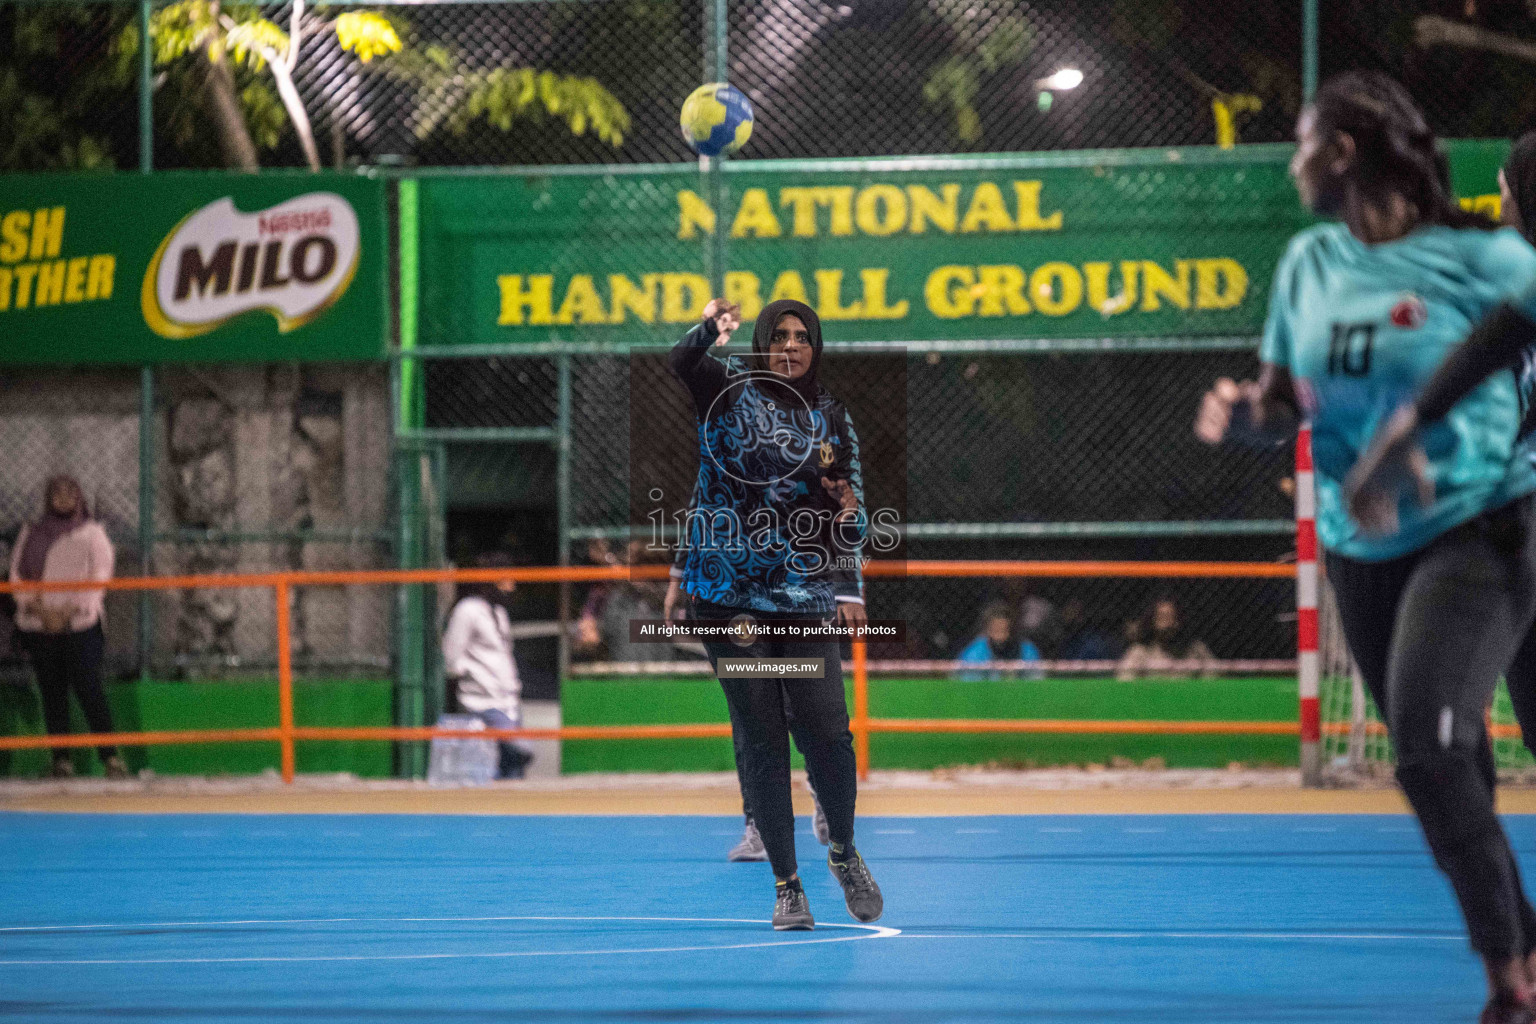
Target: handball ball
<point x="716" y="119"/>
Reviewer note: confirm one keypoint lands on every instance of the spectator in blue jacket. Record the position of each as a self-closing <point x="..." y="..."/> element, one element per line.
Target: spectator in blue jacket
<point x="994" y="642"/>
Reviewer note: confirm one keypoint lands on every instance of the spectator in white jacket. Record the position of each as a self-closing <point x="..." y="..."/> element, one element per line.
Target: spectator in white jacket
<point x="61" y="630"/>
<point x="477" y="658"/>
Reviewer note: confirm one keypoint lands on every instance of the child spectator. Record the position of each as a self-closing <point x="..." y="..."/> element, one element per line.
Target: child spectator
<point x="994" y="642"/>
<point x="477" y="657"/>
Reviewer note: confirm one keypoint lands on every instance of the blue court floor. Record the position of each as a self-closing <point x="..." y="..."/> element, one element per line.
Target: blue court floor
<point x="342" y="919"/>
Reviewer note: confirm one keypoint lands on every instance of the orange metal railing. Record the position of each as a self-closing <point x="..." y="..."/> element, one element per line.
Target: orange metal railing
<point x="286" y="734"/>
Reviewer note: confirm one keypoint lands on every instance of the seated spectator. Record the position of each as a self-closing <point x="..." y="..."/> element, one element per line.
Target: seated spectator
<point x="994" y="642"/>
<point x="603" y="629"/>
<point x="588" y="641"/>
<point x="61" y="631"/>
<point x="1081" y="639"/>
<point x="1165" y="648"/>
<point x="1038" y="622"/>
<point x="478" y="661"/>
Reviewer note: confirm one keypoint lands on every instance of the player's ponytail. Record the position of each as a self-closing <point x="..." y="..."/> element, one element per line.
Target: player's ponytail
<point x="1395" y="149"/>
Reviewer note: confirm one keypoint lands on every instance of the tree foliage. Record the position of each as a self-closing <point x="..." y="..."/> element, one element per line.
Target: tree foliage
<point x="66" y="88"/>
<point x="980" y="48"/>
<point x="446" y="86"/>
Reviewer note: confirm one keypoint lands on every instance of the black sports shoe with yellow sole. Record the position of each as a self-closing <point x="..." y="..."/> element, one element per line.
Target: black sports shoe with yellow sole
<point x="791" y="910"/>
<point x="863" y="896"/>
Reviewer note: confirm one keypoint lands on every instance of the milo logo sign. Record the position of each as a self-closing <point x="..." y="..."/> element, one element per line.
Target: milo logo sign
<point x="293" y="261"/>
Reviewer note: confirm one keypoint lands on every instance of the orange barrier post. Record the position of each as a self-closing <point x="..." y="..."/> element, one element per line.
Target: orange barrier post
<point x="284" y="678"/>
<point x="861" y="706"/>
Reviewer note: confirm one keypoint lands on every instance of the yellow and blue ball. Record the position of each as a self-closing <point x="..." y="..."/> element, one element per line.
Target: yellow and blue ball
<point x="716" y="119"/>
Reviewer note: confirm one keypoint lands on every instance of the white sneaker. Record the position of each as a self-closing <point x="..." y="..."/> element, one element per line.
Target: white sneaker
<point x="751" y="846"/>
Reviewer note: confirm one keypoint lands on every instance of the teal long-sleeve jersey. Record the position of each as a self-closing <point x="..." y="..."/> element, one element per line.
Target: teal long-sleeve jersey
<point x="1361" y="328"/>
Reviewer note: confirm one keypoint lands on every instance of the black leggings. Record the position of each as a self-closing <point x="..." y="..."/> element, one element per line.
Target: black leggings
<point x="1432" y="632"/>
<point x="765" y="712"/>
<point x="64" y="662"/>
<point x="736" y="739"/>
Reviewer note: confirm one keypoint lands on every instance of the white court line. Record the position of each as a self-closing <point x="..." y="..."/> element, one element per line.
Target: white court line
<point x="895" y="831"/>
<point x="1143" y="831"/>
<point x="1273" y="936"/>
<point x="975" y="831"/>
<point x="1059" y="831"/>
<point x="1314" y="830"/>
<point x="874" y="932"/>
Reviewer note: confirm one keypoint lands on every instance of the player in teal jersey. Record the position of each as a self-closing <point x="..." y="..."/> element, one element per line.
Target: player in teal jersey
<point x="1437" y="593"/>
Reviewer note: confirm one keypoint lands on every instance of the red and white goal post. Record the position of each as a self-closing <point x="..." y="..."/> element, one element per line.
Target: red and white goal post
<point x="1342" y="735"/>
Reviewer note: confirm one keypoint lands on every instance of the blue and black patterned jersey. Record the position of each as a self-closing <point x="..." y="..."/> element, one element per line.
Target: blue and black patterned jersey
<point x="761" y="533"/>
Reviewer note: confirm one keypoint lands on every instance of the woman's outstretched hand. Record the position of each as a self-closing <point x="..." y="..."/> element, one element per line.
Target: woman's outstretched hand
<point x="1393" y="461"/>
<point x="726" y="315"/>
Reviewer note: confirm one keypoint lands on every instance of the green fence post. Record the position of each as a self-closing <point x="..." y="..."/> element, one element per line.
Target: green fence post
<point x="146" y="91"/>
<point x="563" y="511"/>
<point x="411" y="606"/>
<point x="1308" y="50"/>
<point x="146" y="513"/>
<point x="146" y="373"/>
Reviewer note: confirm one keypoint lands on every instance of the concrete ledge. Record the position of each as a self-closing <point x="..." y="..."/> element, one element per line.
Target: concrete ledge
<point x="963" y="793"/>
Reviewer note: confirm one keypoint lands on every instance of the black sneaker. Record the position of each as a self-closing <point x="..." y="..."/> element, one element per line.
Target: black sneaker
<point x="859" y="889"/>
<point x="792" y="911"/>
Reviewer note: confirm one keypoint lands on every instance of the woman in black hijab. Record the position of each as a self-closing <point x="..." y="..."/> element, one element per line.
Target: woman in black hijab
<point x="773" y="537"/>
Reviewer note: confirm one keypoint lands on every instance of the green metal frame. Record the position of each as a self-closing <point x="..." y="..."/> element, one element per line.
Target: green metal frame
<point x="421" y="543"/>
<point x="147" y="429"/>
<point x="1309" y="54"/>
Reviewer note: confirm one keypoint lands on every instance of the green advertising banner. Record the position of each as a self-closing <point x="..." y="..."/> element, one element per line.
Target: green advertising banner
<point x="124" y="268"/>
<point x="1099" y="245"/>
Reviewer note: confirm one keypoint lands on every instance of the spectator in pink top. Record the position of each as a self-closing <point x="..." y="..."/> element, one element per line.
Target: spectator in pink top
<point x="61" y="630"/>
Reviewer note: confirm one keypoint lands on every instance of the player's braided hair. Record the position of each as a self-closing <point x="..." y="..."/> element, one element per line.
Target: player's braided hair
<point x="1395" y="148"/>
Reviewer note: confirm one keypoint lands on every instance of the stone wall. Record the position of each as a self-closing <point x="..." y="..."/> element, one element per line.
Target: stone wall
<point x="243" y="450"/>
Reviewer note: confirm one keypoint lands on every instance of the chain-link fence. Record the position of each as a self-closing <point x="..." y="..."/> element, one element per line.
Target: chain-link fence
<point x="250" y="470"/>
<point x="1072" y="456"/>
<point x="584" y="81"/>
<point x="1064" y="435"/>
